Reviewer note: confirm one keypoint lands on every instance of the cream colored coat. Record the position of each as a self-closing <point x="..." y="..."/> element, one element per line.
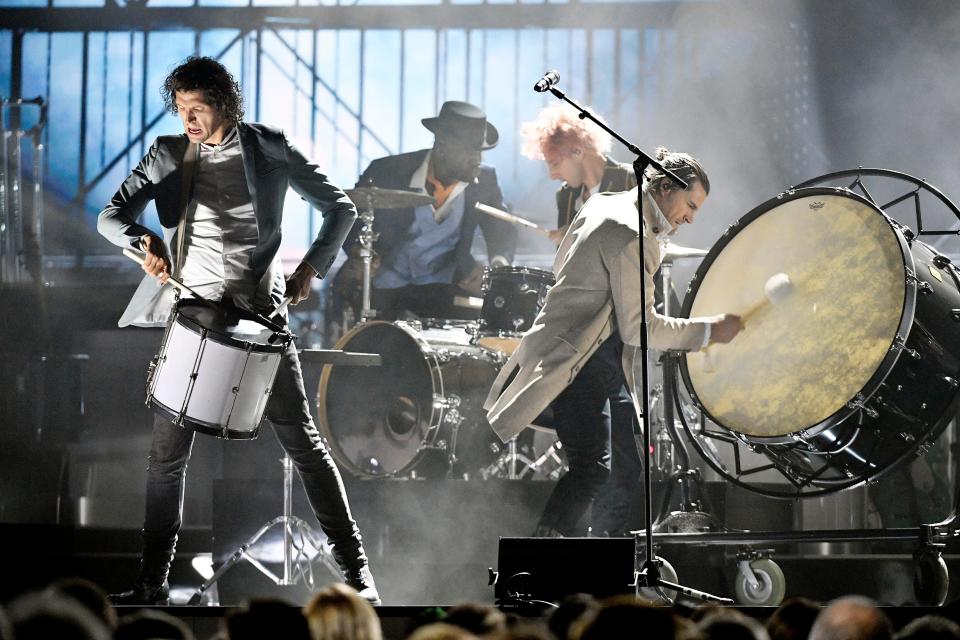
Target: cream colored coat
<point x="597" y="292"/>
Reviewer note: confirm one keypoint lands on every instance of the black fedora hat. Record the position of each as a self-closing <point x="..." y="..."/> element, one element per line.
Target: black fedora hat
<point x="463" y="122"/>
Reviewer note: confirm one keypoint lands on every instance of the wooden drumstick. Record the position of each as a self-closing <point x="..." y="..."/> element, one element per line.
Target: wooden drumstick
<point x="139" y="259"/>
<point x="509" y="217"/>
<point x="280" y="307"/>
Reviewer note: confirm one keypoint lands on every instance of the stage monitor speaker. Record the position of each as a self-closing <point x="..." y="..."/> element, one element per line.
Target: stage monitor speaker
<point x="551" y="568"/>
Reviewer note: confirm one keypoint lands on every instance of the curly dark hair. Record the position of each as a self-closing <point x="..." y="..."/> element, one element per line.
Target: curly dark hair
<point x="220" y="88"/>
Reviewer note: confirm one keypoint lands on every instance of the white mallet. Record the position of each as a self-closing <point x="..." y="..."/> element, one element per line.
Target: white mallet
<point x="777" y="289"/>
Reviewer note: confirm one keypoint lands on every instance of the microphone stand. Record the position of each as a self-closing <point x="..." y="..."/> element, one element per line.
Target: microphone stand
<point x="649" y="574"/>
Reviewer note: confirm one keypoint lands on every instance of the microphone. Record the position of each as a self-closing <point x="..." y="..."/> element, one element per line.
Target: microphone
<point x="549" y="79"/>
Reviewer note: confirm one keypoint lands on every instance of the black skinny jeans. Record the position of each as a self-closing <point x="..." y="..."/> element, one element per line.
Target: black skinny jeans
<point x="288" y="412"/>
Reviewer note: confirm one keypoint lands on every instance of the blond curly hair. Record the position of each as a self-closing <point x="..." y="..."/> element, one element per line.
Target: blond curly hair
<point x="558" y="128"/>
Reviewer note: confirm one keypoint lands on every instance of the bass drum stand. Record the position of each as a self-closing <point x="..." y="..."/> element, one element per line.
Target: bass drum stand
<point x="674" y="463"/>
<point x="514" y="464"/>
<point x="299" y="539"/>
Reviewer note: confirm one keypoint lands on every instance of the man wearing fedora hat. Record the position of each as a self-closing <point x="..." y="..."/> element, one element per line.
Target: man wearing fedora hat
<point x="423" y="253"/>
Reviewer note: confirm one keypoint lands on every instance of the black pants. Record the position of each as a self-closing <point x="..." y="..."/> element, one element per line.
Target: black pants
<point x="288" y="412"/>
<point x="594" y="419"/>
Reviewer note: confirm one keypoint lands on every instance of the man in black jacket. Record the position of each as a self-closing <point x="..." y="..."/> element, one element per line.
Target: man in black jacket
<point x="423" y="253"/>
<point x="221" y="186"/>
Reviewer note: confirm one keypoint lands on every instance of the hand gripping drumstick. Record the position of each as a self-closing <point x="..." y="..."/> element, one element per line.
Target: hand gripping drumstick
<point x="509" y="217"/>
<point x="280" y="307"/>
<point x="777" y="289"/>
<point x="139" y="259"/>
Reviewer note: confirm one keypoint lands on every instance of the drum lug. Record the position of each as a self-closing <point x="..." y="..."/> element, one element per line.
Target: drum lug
<point x="859" y="403"/>
<point x="453" y="417"/>
<point x="899" y="344"/>
<point x="941" y="261"/>
<point x="446" y="402"/>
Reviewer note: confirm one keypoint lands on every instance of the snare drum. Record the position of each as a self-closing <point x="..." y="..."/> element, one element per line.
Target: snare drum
<point x="215" y="370"/>
<point x="512" y="298"/>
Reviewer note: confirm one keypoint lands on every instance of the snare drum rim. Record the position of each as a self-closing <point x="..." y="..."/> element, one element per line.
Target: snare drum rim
<point x="224" y="339"/>
<point x="436" y="412"/>
<point x="886" y="365"/>
<point x="201" y="426"/>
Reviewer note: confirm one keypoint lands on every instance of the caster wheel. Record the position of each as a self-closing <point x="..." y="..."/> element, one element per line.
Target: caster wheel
<point x="771" y="585"/>
<point x="931" y="580"/>
<point x="660" y="595"/>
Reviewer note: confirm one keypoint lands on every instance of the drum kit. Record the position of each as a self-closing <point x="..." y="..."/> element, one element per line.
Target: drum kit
<point x="426" y="416"/>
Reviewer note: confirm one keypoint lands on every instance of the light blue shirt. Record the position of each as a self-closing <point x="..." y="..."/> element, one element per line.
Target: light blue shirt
<point x="428" y="256"/>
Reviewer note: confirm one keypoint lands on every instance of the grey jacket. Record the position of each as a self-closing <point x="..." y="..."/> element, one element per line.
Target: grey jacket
<point x="597" y="293"/>
<point x="271" y="163"/>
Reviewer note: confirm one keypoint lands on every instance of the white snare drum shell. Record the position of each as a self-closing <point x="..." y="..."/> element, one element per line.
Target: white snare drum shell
<point x="230" y="388"/>
<point x="171" y="380"/>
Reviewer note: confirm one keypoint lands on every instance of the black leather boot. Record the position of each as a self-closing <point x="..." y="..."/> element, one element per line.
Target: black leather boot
<point x="362" y="580"/>
<point x="151" y="586"/>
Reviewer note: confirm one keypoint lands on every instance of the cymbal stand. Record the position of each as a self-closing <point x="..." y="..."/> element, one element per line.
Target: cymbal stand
<point x="367" y="238"/>
<point x="298" y="536"/>
<point x="514" y="465"/>
<point x="649" y="574"/>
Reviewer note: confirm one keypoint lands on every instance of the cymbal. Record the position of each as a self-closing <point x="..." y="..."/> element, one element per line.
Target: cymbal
<point x="676" y="252"/>
<point x="371" y="197"/>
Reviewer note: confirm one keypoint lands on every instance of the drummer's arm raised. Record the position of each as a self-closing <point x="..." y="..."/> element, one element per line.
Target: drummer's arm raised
<point x="664" y="332"/>
<point x="339" y="212"/>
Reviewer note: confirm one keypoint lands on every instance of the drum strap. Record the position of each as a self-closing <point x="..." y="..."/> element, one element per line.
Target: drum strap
<point x="186" y="186"/>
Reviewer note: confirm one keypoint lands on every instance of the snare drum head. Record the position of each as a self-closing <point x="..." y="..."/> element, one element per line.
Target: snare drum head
<point x="826" y="339"/>
<point x="235" y="323"/>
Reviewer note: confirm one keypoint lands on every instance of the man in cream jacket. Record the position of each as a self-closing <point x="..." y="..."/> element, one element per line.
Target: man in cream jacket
<point x="591" y="323"/>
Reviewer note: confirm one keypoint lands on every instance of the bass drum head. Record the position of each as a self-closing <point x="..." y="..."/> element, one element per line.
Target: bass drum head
<point x="801" y="361"/>
<point x="376" y="418"/>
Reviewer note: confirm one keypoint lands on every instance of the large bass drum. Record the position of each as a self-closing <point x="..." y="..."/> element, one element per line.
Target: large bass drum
<point x="420" y="412"/>
<point x="855" y="368"/>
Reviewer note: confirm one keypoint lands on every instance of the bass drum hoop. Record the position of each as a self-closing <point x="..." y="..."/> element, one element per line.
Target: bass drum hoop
<point x="429" y="359"/>
<point x="886" y="365"/>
